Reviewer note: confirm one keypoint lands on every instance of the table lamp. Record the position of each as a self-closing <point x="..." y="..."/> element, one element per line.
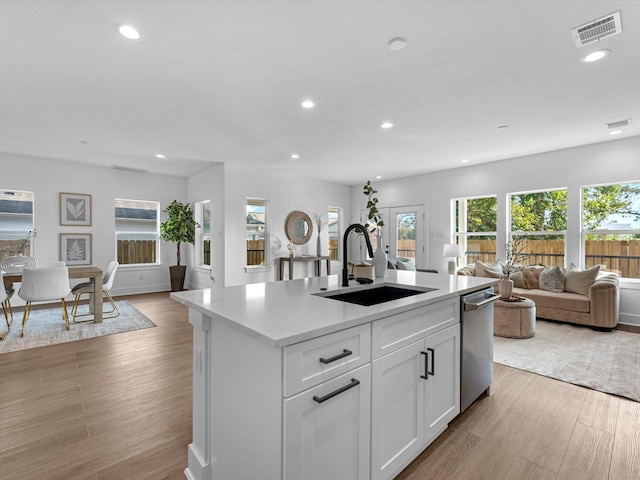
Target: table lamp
<point x="452" y="251"/>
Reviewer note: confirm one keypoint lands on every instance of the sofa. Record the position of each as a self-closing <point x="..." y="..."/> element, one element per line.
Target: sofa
<point x="588" y="302"/>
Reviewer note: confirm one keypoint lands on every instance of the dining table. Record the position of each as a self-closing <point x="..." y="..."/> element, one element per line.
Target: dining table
<point x="92" y="272"/>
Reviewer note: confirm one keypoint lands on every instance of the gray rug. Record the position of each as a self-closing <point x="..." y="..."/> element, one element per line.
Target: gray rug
<point x="604" y="361"/>
<point x="46" y="327"/>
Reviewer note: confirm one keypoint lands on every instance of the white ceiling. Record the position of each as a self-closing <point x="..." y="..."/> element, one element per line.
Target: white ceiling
<point x="222" y="81"/>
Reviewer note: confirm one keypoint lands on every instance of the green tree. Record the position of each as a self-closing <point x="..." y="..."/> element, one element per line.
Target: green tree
<point x="481" y="214"/>
<point x="539" y="211"/>
<point x="600" y="203"/>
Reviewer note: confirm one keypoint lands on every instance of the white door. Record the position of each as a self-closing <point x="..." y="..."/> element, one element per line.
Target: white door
<point x="403" y="232"/>
<point x="327" y="429"/>
<point x="397" y="409"/>
<point x="442" y="394"/>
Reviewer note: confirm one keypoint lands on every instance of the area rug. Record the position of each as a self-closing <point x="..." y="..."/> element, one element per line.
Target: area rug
<point x="46" y="327"/>
<point x="604" y="361"/>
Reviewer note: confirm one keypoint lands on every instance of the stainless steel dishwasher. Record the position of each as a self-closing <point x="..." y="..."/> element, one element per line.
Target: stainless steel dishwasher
<point x="476" y="344"/>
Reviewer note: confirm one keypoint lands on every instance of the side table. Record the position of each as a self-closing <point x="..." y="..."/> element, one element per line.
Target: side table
<point x="317" y="261"/>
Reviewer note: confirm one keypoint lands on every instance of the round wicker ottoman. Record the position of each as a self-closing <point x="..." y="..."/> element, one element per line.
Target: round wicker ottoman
<point x="514" y="319"/>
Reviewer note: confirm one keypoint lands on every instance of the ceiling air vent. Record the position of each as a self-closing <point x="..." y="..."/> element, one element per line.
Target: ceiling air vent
<point x="619" y="124"/>
<point x="597" y="29"/>
<point x="128" y="169"/>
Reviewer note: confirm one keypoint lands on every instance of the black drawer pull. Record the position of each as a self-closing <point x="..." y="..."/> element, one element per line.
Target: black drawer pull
<point x="426" y="366"/>
<point x="353" y="383"/>
<point x="345" y="353"/>
<point x="433" y="361"/>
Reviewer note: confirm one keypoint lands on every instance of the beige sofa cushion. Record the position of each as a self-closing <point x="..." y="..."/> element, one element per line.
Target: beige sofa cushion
<point x="560" y="301"/>
<point x="579" y="281"/>
<point x="532" y="276"/>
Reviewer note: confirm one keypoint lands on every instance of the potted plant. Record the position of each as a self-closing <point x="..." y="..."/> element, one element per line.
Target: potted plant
<point x="179" y="227"/>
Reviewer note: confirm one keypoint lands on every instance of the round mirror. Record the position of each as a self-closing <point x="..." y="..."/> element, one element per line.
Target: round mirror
<point x="298" y="227"/>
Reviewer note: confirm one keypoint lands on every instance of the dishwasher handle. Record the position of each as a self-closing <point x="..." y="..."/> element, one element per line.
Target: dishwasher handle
<point x="469" y="306"/>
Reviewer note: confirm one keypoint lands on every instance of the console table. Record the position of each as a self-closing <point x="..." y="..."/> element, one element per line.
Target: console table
<point x="317" y="261"/>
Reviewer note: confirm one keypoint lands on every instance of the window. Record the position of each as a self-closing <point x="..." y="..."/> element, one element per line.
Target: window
<point x="333" y="227"/>
<point x="540" y="217"/>
<point x="16" y="222"/>
<point x="137" y="231"/>
<point x="611" y="228"/>
<point x="475" y="221"/>
<point x="256" y="231"/>
<point x="203" y="234"/>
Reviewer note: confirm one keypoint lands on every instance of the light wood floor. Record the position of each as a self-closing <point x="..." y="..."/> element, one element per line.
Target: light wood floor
<point x="119" y="408"/>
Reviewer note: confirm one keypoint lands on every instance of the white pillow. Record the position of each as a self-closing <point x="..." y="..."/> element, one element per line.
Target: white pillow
<point x="579" y="281"/>
<point x="491" y="271"/>
<point x="405" y="265"/>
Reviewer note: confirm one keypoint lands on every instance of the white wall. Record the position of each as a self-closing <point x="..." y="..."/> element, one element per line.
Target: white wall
<point x="47" y="178"/>
<point x="609" y="162"/>
<point x="285" y="192"/>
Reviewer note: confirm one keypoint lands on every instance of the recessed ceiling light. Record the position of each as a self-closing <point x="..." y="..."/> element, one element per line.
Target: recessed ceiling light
<point x="378" y="177"/>
<point x="128" y="31"/>
<point x="464" y="160"/>
<point x="397" y="43"/>
<point x="308" y="104"/>
<point x="386" y="125"/>
<point x="295" y="156"/>
<point x="595" y="56"/>
<point x="159" y="155"/>
<point x="615" y="132"/>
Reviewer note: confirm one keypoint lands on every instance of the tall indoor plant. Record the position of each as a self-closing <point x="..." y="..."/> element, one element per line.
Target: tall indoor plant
<point x="180" y="227"/>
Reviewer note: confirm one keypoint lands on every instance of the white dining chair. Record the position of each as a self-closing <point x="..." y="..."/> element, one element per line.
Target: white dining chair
<point x="6" y="307"/>
<point x="13" y="264"/>
<point x="87" y="288"/>
<point x="44" y="285"/>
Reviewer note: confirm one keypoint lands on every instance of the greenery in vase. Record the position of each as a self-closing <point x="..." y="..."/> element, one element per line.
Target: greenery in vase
<point x="372" y="204"/>
<point x="180" y="226"/>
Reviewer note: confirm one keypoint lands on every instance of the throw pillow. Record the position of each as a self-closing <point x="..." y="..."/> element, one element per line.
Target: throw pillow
<point x="579" y="281"/>
<point x="402" y="265"/>
<point x="518" y="279"/>
<point x="491" y="271"/>
<point x="552" y="280"/>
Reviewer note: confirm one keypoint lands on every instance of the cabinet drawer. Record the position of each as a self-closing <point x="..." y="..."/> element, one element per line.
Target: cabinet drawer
<point x="310" y="363"/>
<point x="391" y="333"/>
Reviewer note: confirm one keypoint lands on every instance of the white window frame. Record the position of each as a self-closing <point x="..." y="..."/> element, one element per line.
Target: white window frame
<point x="462" y="237"/>
<point x="267" y="257"/>
<point x="11" y="234"/>
<point x="156" y="234"/>
<point x="338" y="212"/>
<point x="201" y="235"/>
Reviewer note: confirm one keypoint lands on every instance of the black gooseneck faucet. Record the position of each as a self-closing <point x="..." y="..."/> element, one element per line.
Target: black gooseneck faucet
<point x="365" y="233"/>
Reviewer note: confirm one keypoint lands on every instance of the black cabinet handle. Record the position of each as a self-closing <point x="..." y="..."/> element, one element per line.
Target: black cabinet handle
<point x="353" y="383"/>
<point x="426" y="365"/>
<point x="433" y="361"/>
<point x="345" y="353"/>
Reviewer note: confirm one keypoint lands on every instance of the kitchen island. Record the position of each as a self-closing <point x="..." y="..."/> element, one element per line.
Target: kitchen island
<point x="290" y="385"/>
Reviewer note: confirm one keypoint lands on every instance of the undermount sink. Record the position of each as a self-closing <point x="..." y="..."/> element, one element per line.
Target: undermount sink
<point x="376" y="295"/>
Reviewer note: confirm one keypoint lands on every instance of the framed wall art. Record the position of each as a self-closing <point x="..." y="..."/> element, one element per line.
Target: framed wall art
<point x="75" y="248"/>
<point x="75" y="209"/>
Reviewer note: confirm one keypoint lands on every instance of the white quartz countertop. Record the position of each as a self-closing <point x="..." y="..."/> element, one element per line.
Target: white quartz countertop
<point x="286" y="312"/>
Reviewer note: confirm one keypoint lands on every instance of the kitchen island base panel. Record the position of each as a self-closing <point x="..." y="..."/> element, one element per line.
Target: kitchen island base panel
<point x="237" y="404"/>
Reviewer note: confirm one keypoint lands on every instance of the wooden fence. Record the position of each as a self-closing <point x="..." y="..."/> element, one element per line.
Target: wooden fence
<point x="255" y="252"/>
<point x="10" y="247"/>
<point x="136" y="251"/>
<point x="620" y="256"/>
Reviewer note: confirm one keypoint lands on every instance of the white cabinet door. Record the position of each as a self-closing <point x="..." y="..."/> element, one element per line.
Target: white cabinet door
<point x="397" y="409"/>
<point x="327" y="429"/>
<point x="442" y="387"/>
<point x="415" y="394"/>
